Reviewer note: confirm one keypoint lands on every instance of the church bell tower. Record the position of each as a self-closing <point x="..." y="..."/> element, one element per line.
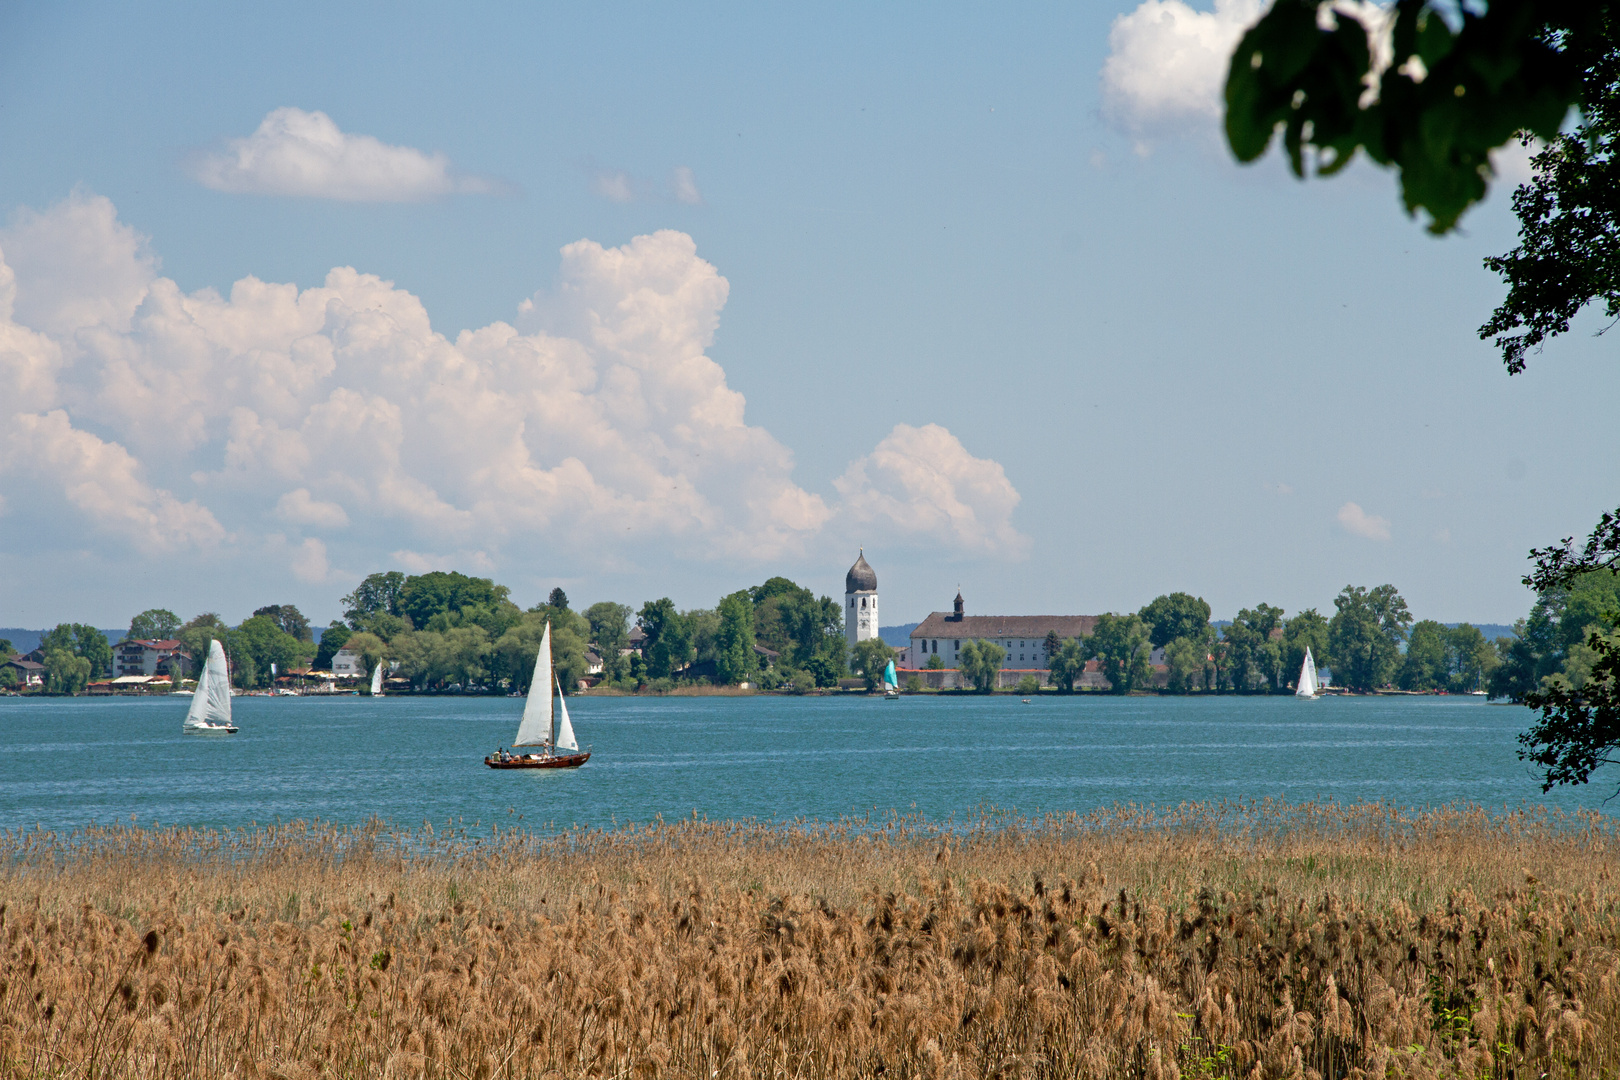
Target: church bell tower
<point x="860" y="601"/>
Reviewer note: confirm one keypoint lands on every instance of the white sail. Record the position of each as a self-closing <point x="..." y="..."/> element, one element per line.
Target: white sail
<point x="376" y="680"/>
<point x="536" y="725"/>
<point x="211" y="703"/>
<point x="1308" y="686"/>
<point x="565" y="730"/>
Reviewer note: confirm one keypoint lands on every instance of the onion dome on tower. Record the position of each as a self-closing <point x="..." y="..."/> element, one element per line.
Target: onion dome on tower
<point x="860" y="602"/>
<point x="861" y="577"/>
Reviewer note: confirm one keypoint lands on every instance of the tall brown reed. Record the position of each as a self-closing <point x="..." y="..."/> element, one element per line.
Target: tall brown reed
<point x="1228" y="940"/>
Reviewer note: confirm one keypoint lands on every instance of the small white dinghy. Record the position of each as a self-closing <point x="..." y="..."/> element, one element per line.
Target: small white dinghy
<point x="210" y="712"/>
<point x="376" y="680"/>
<point x="1308" y="687"/>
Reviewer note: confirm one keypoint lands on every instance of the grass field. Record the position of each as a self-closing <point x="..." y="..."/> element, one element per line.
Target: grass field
<point x="1214" y="941"/>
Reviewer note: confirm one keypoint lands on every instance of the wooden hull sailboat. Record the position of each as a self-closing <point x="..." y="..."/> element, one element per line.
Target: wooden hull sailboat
<point x="541" y="726"/>
<point x="210" y="712"/>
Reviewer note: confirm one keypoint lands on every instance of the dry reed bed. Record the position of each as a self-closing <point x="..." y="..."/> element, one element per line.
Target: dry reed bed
<point x="1233" y="941"/>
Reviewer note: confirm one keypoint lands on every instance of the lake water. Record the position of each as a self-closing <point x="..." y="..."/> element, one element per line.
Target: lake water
<point x="67" y="762"/>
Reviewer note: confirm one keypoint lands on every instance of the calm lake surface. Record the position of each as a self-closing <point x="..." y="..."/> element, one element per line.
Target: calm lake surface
<point x="65" y="763"/>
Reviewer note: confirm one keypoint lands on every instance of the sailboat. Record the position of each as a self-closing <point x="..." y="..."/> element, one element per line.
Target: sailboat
<point x="891" y="683"/>
<point x="551" y="731"/>
<point x="210" y="712"/>
<point x="1308" y="686"/>
<point x="376" y="680"/>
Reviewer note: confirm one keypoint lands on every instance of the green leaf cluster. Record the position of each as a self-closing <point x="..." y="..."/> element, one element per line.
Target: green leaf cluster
<point x="1461" y="80"/>
<point x="1569" y="221"/>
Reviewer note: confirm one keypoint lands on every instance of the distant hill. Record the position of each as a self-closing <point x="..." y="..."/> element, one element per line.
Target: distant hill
<point x="1491" y="630"/>
<point x="26" y="641"/>
<point x="897" y="636"/>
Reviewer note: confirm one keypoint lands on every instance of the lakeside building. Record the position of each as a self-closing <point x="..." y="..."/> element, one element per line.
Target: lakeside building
<point x="141" y="656"/>
<point x="1021" y="637"/>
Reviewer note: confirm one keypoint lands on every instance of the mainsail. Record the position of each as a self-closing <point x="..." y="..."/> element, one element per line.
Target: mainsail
<point x="1308" y="685"/>
<point x="376" y="680"/>
<point x="891" y="681"/>
<point x="536" y="725"/>
<point x="565" y="730"/>
<point x="211" y="703"/>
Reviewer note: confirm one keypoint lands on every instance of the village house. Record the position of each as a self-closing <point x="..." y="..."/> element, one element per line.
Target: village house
<point x="345" y="662"/>
<point x="29" y="672"/>
<point x="136" y="656"/>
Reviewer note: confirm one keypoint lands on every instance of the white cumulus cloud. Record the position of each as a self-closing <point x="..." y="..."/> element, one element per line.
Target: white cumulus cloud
<point x="921" y="482"/>
<point x="1167" y="63"/>
<point x="333" y="425"/>
<point x="306" y="154"/>
<point x="1358" y="522"/>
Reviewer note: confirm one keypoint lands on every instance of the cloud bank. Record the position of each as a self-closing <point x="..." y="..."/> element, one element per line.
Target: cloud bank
<point x="305" y="154"/>
<point x="332" y="430"/>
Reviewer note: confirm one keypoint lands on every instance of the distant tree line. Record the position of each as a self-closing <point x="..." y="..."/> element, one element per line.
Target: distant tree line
<point x="449" y="631"/>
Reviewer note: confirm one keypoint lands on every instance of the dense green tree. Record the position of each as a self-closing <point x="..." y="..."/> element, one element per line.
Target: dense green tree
<point x="154" y="624"/>
<point x="423" y="596"/>
<point x="934" y="663"/>
<point x="1067" y="663"/>
<point x="1565" y="615"/>
<point x="1186" y="658"/>
<point x="259" y="642"/>
<point x="703" y="631"/>
<point x="434" y="660"/>
<point x="1176" y="615"/>
<point x="379" y="592"/>
<point x="1254" y="649"/>
<point x="669" y="642"/>
<point x="83" y="641"/>
<point x="870" y="658"/>
<point x="735" y="659"/>
<point x="1427" y="663"/>
<point x="8" y="677"/>
<point x="980" y="663"/>
<point x="792" y="621"/>
<point x="1578" y="729"/>
<point x="610" y="630"/>
<point x="66" y="672"/>
<point x="1472" y="659"/>
<point x="1307" y="629"/>
<point x="289" y="619"/>
<point x="1122" y="649"/>
<point x="558" y="599"/>
<point x="1365" y="636"/>
<point x="332" y="639"/>
<point x="7" y="649"/>
<point x="1460" y="80"/>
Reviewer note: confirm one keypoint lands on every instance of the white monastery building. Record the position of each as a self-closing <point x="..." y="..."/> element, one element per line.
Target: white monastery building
<point x="860" y="601"/>
<point x="1023" y="637"/>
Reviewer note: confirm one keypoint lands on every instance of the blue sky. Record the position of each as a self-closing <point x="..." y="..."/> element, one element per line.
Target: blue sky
<point x="976" y="288"/>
